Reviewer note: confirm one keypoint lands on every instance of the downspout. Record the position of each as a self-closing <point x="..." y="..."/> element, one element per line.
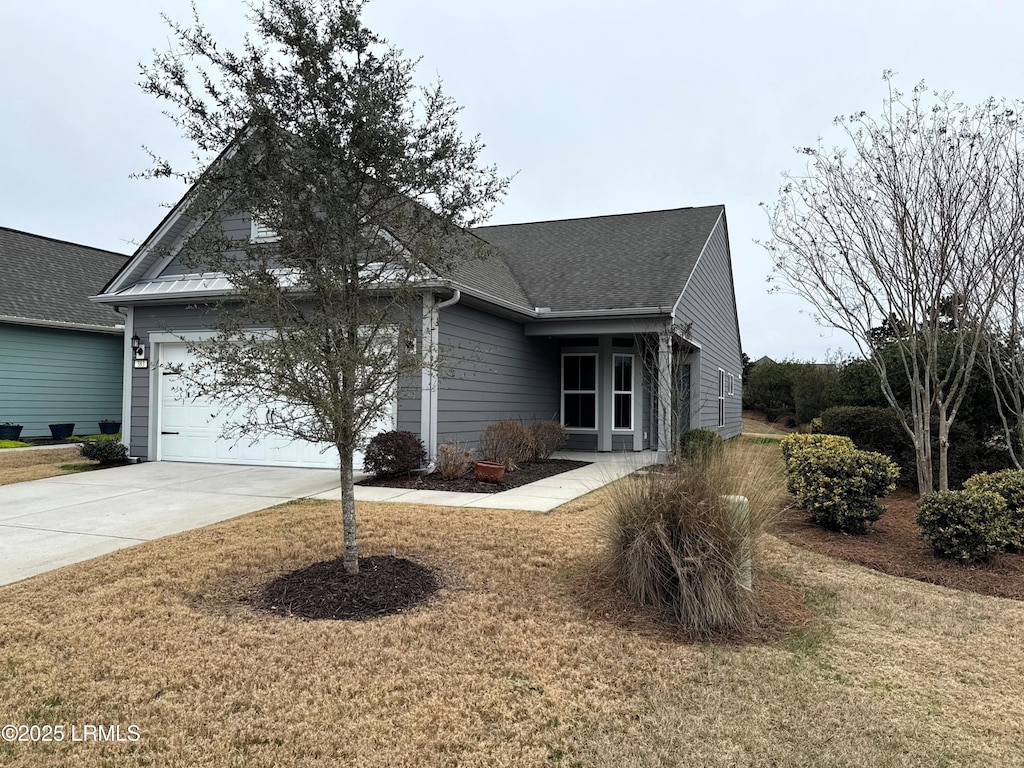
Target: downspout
<point x="428" y="409"/>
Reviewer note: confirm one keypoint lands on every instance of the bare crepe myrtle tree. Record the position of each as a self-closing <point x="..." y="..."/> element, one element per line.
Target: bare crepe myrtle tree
<point x="914" y="228"/>
<point x="359" y="184"/>
<point x="1004" y="360"/>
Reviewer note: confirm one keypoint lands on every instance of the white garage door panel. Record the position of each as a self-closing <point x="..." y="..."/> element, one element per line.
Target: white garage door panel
<point x="190" y="428"/>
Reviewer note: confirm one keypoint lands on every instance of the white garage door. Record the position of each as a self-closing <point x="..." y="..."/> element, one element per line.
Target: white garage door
<point x="189" y="428"/>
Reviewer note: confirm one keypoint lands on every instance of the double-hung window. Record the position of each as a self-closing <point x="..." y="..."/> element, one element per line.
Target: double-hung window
<point x="579" y="391"/>
<point x="261" y="233"/>
<point x="622" y="392"/>
<point x="721" y="397"/>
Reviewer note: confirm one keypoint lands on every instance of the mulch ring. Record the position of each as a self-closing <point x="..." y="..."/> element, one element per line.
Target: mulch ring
<point x="383" y="586"/>
<point x="895" y="546"/>
<point x="527" y="473"/>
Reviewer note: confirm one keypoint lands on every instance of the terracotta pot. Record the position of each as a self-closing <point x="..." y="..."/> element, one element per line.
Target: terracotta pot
<point x="489" y="471"/>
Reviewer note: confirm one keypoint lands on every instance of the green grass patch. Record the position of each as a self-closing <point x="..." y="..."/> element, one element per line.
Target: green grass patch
<point x="84" y="438"/>
<point x="79" y="467"/>
<point x="14" y="444"/>
<point x="761" y="440"/>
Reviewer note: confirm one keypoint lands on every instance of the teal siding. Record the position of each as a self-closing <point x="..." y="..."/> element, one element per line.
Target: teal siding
<point x="51" y="376"/>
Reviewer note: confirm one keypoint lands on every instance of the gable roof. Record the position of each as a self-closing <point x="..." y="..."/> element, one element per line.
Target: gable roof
<point x="625" y="261"/>
<point x="45" y="281"/>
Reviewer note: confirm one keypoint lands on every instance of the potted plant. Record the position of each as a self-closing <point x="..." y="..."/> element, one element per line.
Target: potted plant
<point x="9" y="431"/>
<point x="109" y="427"/>
<point x="489" y="471"/>
<point x="62" y="431"/>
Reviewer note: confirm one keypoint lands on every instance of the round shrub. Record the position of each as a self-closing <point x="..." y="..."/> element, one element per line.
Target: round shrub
<point x="394" y="453"/>
<point x="968" y="526"/>
<point x="548" y="436"/>
<point x="840" y="486"/>
<point x="1010" y="485"/>
<point x="106" y="452"/>
<point x="790" y="444"/>
<point x="700" y="445"/>
<point x="506" y="442"/>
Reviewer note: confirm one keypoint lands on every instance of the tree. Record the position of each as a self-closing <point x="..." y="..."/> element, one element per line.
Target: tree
<point x="363" y="185"/>
<point x="913" y="230"/>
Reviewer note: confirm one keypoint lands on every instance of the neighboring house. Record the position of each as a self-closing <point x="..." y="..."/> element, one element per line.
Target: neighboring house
<point x="623" y="327"/>
<point x="61" y="355"/>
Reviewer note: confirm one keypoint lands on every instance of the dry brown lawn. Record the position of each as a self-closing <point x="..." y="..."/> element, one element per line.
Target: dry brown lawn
<point x="504" y="668"/>
<point x="19" y="466"/>
<point x="754" y="422"/>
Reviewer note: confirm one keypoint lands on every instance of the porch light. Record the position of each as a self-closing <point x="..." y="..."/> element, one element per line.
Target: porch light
<point x="135" y="341"/>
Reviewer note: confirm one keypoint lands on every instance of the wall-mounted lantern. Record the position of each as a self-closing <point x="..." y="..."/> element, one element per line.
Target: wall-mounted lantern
<point x="139" y="350"/>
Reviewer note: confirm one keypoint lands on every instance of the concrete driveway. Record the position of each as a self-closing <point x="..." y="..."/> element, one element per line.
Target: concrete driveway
<point x="48" y="523"/>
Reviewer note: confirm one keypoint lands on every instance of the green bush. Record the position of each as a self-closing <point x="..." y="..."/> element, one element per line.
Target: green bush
<point x="1010" y="485"/>
<point x="106" y="452"/>
<point x="840" y="485"/>
<point x="700" y="445"/>
<point x="793" y="443"/>
<point x="394" y="453"/>
<point x="968" y="526"/>
<point x="548" y="436"/>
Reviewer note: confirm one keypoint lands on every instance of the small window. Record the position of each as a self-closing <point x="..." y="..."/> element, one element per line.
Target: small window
<point x="732" y="384"/>
<point x="721" y="397"/>
<point x="579" y="391"/>
<point x="622" y="392"/>
<point x="261" y="233"/>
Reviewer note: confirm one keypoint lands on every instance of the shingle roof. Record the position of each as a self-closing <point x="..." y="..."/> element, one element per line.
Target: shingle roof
<point x="627" y="261"/>
<point x="51" y="280"/>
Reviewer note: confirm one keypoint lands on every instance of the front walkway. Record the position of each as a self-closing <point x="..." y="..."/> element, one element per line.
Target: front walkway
<point x="540" y="496"/>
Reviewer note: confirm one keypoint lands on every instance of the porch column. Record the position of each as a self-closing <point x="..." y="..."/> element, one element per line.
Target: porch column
<point x="605" y="383"/>
<point x="664" y="396"/>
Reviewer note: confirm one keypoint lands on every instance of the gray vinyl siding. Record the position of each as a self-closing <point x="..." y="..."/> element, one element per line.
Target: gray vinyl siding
<point x="175" y="318"/>
<point x="237" y="226"/>
<point x="709" y="304"/>
<point x="584" y="441"/>
<point x="490" y="371"/>
<point x="55" y="376"/>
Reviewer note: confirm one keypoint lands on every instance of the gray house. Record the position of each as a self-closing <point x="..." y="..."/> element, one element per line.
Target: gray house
<point x="61" y="355"/>
<point x="623" y="327"/>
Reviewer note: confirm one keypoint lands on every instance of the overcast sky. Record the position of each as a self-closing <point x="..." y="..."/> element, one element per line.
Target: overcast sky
<point x="600" y="107"/>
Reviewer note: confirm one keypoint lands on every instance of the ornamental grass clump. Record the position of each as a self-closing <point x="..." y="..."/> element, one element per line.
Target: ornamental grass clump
<point x="1009" y="484"/>
<point x="839" y="485"/>
<point x="682" y="543"/>
<point x="968" y="526"/>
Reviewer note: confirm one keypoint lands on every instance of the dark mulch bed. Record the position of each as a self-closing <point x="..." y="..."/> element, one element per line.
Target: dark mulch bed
<point x="895" y="546"/>
<point x="383" y="586"/>
<point x="527" y="473"/>
<point x="36" y="441"/>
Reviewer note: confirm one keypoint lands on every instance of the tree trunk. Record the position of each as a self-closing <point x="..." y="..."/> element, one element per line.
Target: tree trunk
<point x="348" y="512"/>
<point x="943" y="448"/>
<point x="923" y="449"/>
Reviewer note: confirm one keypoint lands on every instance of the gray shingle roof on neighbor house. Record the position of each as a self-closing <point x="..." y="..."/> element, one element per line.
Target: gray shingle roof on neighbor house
<point x="625" y="261"/>
<point x="51" y="280"/>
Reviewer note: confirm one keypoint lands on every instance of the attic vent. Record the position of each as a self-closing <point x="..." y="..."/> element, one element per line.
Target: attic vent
<point x="261" y="233"/>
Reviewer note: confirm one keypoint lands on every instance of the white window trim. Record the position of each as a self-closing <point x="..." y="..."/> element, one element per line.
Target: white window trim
<point x="732" y="384"/>
<point x="721" y="397"/>
<point x="630" y="392"/>
<point x="580" y="391"/>
<point x="261" y="233"/>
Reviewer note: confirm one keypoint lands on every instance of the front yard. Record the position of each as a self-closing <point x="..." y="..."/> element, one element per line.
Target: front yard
<point x="505" y="667"/>
<point x="17" y="466"/>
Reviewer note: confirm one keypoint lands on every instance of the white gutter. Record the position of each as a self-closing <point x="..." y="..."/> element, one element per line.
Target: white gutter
<point x="113" y="329"/>
<point x="429" y="381"/>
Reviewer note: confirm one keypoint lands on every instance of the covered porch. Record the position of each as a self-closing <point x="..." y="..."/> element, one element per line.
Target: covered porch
<point x="624" y="385"/>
